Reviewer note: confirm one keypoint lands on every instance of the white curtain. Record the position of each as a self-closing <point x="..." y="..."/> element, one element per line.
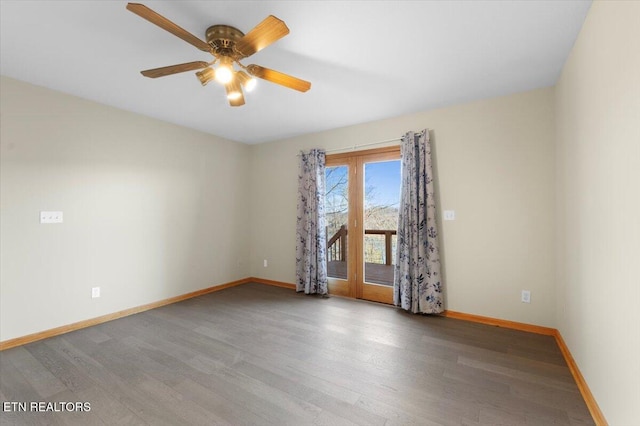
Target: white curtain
<point x="417" y="283"/>
<point x="311" y="245"/>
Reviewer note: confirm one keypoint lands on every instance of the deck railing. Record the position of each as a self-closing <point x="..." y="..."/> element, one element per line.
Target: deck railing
<point x="337" y="244"/>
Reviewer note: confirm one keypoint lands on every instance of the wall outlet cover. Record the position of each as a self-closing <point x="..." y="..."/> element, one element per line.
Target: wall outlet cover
<point x="50" y="217"/>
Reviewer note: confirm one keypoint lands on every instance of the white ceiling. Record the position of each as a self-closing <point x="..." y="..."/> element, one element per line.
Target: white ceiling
<point x="366" y="60"/>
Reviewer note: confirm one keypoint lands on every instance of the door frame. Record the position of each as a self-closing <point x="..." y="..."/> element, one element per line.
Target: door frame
<point x="355" y="286"/>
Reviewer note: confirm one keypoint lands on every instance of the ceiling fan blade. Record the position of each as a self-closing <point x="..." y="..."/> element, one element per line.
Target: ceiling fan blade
<point x="155" y="18"/>
<point x="270" y="30"/>
<point x="279" y="78"/>
<point x="174" y="69"/>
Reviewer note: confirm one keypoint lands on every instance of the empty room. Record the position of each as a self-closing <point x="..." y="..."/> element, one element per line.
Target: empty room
<point x="320" y="212"/>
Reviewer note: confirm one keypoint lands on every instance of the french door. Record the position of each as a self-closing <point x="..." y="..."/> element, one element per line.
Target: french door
<point x="361" y="206"/>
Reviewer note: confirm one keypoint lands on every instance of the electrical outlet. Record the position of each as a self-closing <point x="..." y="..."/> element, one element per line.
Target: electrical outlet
<point x="95" y="292"/>
<point x="449" y="215"/>
<point x="265" y="263"/>
<point x="526" y="296"/>
<point x="50" y="217"/>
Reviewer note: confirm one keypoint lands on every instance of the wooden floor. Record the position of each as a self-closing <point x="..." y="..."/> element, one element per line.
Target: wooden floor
<point x="374" y="272"/>
<point x="255" y="354"/>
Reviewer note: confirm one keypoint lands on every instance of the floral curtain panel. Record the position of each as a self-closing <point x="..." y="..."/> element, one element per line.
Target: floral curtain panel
<point x="417" y="282"/>
<point x="311" y="245"/>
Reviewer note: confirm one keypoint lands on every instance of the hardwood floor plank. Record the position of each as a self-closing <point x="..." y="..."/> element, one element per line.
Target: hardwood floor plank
<point x="60" y="367"/>
<point x="15" y="386"/>
<point x="30" y="419"/>
<point x="72" y="418"/>
<point x="109" y="408"/>
<point x="463" y="395"/>
<point x="45" y="383"/>
<point x="474" y="377"/>
<point x="225" y="411"/>
<point x="280" y="365"/>
<point x="347" y="412"/>
<point x="522" y="373"/>
<point x="396" y="415"/>
<point x="324" y="401"/>
<point x="261" y="405"/>
<point x="327" y="418"/>
<point x="496" y="416"/>
<point x="261" y="355"/>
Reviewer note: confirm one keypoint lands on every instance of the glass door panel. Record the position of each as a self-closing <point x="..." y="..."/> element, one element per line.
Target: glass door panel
<point x="340" y="246"/>
<point x="381" y="201"/>
<point x="337" y="217"/>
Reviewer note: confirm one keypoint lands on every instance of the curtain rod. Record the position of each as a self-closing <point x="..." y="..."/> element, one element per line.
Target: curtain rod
<point x="361" y="145"/>
<point x="358" y="146"/>
<point x="364" y="144"/>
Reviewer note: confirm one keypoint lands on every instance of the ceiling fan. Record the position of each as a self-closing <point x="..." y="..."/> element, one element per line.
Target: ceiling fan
<point x="229" y="46"/>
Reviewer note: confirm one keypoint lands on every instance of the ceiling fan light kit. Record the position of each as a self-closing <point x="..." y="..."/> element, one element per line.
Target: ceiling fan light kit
<point x="206" y="75"/>
<point x="249" y="83"/>
<point x="224" y="72"/>
<point x="229" y="46"/>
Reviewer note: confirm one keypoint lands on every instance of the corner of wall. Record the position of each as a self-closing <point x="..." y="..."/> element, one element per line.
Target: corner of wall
<point x="597" y="101"/>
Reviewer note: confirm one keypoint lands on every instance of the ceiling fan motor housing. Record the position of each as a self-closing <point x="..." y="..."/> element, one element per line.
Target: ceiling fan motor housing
<point x="223" y="39"/>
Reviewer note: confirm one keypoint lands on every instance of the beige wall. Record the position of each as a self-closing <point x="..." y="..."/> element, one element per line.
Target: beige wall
<point x="151" y="210"/>
<point x="598" y="207"/>
<point x="495" y="168"/>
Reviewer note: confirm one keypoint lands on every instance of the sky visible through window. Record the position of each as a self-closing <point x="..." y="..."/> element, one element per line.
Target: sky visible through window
<point x="382" y="183"/>
<point x="384" y="180"/>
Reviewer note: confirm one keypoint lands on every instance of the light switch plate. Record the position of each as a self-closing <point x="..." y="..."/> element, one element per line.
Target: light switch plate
<point x="95" y="292"/>
<point x="449" y="215"/>
<point x="50" y="217"/>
